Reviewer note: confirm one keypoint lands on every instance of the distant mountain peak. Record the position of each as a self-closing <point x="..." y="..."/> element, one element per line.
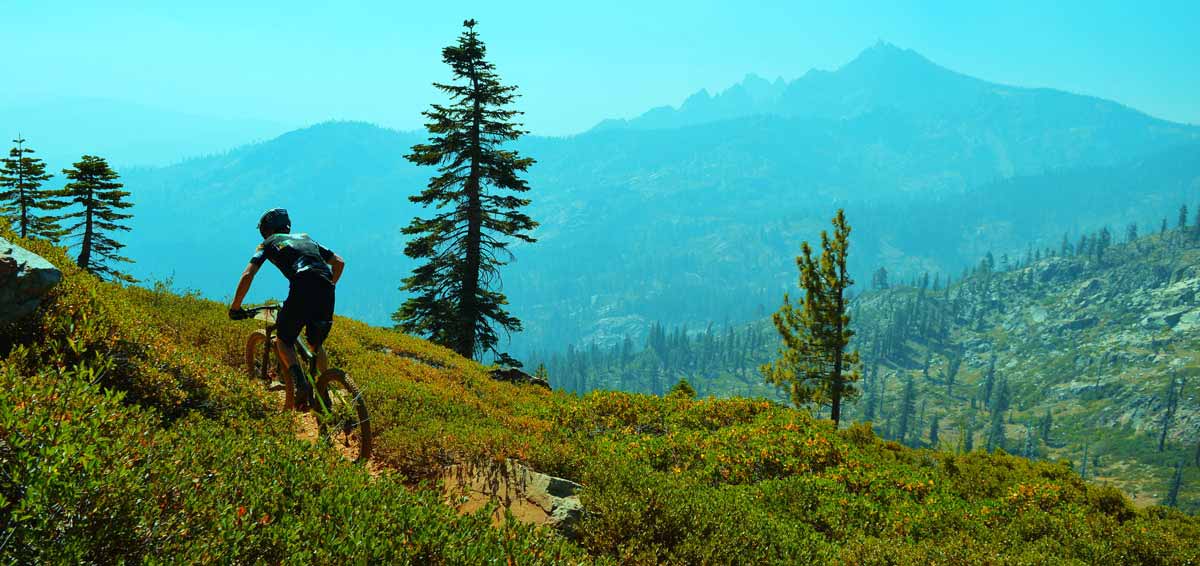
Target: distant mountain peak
<point x="882" y="77"/>
<point x="888" y="55"/>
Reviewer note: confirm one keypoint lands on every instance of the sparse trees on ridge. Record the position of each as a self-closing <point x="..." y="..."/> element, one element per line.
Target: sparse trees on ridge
<point x="95" y="189"/>
<point x="21" y="179"/>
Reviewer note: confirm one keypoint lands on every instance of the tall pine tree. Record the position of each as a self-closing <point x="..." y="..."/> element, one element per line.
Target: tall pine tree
<point x="21" y="178"/>
<point x="95" y="189"/>
<point x="456" y="299"/>
<point x="813" y="362"/>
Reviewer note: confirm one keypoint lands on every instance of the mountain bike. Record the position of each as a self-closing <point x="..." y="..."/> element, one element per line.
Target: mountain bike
<point x="339" y="408"/>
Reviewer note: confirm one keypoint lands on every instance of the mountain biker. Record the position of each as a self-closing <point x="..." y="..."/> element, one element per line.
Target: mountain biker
<point x="312" y="270"/>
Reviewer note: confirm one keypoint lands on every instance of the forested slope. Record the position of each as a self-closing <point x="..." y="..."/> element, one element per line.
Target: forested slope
<point x="1092" y="342"/>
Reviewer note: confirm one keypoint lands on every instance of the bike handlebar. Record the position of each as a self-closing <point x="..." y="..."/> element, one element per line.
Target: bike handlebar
<point x="242" y="314"/>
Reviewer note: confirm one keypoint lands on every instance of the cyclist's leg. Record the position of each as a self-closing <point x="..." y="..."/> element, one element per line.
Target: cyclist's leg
<point x="314" y="329"/>
<point x="287" y="328"/>
<point x="317" y="329"/>
<point x="287" y="354"/>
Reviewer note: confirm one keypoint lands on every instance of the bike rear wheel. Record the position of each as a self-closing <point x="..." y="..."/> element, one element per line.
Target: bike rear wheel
<point x="343" y="420"/>
<point x="263" y="365"/>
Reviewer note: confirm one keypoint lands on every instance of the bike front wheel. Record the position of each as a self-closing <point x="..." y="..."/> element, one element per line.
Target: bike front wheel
<point x="341" y="413"/>
<point x="263" y="365"/>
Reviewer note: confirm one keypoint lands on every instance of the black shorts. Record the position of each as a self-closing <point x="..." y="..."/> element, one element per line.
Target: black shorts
<point x="309" y="306"/>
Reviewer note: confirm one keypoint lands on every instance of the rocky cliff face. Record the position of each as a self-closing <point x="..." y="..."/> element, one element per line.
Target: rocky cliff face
<point x="24" y="278"/>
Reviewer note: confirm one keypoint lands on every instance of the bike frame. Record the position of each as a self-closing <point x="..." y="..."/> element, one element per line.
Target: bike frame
<point x="303" y="352"/>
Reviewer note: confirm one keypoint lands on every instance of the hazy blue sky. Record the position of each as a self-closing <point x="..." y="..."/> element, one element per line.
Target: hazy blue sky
<point x="576" y="63"/>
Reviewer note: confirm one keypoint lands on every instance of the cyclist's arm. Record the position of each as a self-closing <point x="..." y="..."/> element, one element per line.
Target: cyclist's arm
<point x="336" y="264"/>
<point x="244" y="285"/>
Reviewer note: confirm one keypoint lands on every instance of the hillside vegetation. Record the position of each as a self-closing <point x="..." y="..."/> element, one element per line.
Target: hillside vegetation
<point x="129" y="431"/>
<point x="1093" y="344"/>
<point x="1084" y="343"/>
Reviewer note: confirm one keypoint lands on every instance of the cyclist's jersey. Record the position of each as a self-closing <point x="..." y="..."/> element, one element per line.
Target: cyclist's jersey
<point x="294" y="254"/>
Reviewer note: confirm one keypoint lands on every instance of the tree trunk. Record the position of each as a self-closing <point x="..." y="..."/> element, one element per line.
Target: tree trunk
<point x="85" y="249"/>
<point x="468" y="309"/>
<point x="21" y="195"/>
<point x="1166" y="424"/>
<point x="835" y="408"/>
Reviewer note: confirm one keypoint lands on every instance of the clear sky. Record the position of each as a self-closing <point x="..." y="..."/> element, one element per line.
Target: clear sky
<point x="299" y="62"/>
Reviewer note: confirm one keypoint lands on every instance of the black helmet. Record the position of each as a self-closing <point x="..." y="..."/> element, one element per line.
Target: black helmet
<point x="273" y="221"/>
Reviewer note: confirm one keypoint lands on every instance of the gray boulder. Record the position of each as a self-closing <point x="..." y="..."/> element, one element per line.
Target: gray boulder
<point x="514" y="375"/>
<point x="25" y="278"/>
<point x="557" y="496"/>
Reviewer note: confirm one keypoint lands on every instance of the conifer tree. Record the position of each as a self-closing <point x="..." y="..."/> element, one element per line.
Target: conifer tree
<point x="813" y="362"/>
<point x="1000" y="403"/>
<point x="95" y="189"/>
<point x="1083" y="470"/>
<point x="21" y="179"/>
<point x="1171" y="399"/>
<point x="1172" y="499"/>
<point x="1183" y="216"/>
<point x="908" y="406"/>
<point x="934" y="423"/>
<point x="953" y="364"/>
<point x="1029" y="444"/>
<point x="967" y="431"/>
<point x="456" y="301"/>
<point x="683" y="389"/>
<point x="989" y="379"/>
<point x="879" y="280"/>
<point x="1102" y="242"/>
<point x="871" y="398"/>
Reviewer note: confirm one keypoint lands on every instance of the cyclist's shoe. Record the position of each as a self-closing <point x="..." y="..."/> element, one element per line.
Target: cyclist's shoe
<point x="304" y="392"/>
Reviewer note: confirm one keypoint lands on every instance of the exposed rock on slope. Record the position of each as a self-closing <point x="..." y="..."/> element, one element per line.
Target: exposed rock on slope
<point x="24" y="278"/>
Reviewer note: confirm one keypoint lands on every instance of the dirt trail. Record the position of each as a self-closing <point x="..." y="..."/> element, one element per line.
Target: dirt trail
<point x="466" y="495"/>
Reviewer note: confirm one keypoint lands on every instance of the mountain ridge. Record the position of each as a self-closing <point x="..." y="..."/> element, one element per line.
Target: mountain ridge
<point x="821" y="89"/>
<point x="713" y="210"/>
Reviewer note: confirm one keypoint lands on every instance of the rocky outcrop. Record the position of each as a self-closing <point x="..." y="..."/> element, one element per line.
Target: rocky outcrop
<point x="530" y="496"/>
<point x="514" y="375"/>
<point x="24" y="279"/>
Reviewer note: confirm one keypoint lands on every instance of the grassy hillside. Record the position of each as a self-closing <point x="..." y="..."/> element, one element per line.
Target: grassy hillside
<point x="128" y="431"/>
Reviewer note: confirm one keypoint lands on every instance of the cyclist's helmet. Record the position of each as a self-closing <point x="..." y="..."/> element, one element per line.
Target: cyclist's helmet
<point x="274" y="221"/>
